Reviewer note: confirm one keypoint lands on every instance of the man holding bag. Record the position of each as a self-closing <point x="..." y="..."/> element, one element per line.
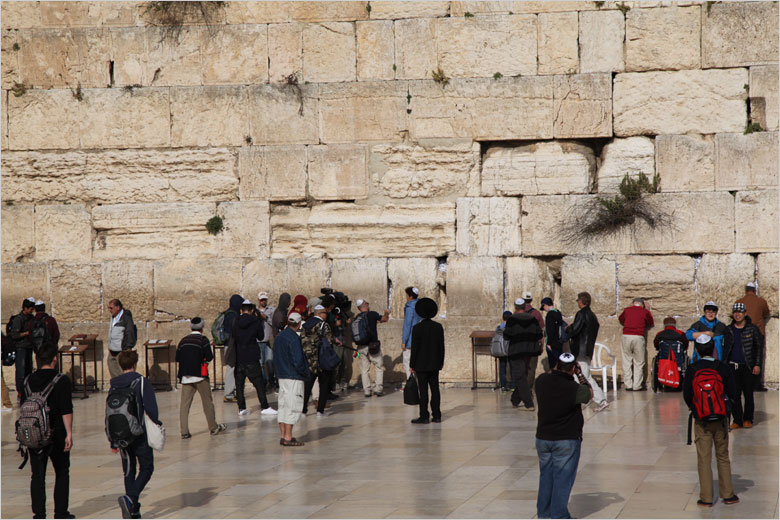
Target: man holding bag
<point x="427" y="359"/>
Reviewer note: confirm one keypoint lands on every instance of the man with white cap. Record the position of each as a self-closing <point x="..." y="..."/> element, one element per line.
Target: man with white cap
<point x="293" y="372"/>
<point x="534" y="361"/>
<point x="366" y="338"/>
<point x="411" y="318"/>
<point x="313" y="330"/>
<point x="19" y="331"/>
<point x="708" y="325"/>
<point x="523" y="333"/>
<point x="758" y="311"/>
<point x="264" y="312"/>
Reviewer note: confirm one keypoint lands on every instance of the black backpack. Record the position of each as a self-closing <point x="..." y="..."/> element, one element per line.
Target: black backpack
<point x="39" y="335"/>
<point x="122" y="423"/>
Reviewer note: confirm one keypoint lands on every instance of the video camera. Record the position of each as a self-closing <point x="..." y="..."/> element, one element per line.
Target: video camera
<point x="343" y="308"/>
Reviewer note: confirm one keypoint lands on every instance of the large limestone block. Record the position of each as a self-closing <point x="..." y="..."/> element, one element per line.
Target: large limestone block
<point x="396" y="10"/>
<point x="746" y="161"/>
<point x="283" y="114"/>
<point x="601" y="41"/>
<point x="422" y="273"/>
<point x="209" y="116"/>
<point x="558" y="43"/>
<point x="291" y="275"/>
<point x="95" y="51"/>
<point x="75" y="292"/>
<point x="593" y="274"/>
<point x="246" y="232"/>
<point x="20" y="281"/>
<point x="699" y="222"/>
<point x="583" y="105"/>
<point x="689" y="101"/>
<point x="739" y="33"/>
<point x="667" y="282"/>
<point x="329" y="52"/>
<point x="18" y="232"/>
<point x="722" y="278"/>
<point x="233" y="54"/>
<point x="195" y="287"/>
<point x="375" y="50"/>
<point x="665" y="38"/>
<point x="415" y="48"/>
<point x="265" y="12"/>
<point x="685" y="162"/>
<point x="174" y="62"/>
<point x="274" y="173"/>
<point x="338" y="172"/>
<point x="128" y="50"/>
<point x="44" y="119"/>
<point x="4" y="125"/>
<point x="475" y="286"/>
<point x="520" y="6"/>
<point x="50" y="57"/>
<point x="133" y="284"/>
<point x="364" y="278"/>
<point x="63" y="233"/>
<point x="9" y="58"/>
<point x="343" y="230"/>
<point x="66" y="14"/>
<point x="285" y="50"/>
<point x="528" y="275"/>
<point x="764" y="96"/>
<point x="366" y="111"/>
<point x="115" y="118"/>
<point x="482" y="46"/>
<point x="772" y="361"/>
<point x="20" y="15"/>
<point x="544" y="168"/>
<point x="425" y="170"/>
<point x="768" y="280"/>
<point x="120" y="176"/>
<point x="117" y="13"/>
<point x="756" y="219"/>
<point x="631" y="156"/>
<point x="457" y="341"/>
<point x="488" y="226"/>
<point x="390" y="335"/>
<point x="483" y="109"/>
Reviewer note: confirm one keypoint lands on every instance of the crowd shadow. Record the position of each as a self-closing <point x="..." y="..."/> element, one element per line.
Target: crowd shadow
<point x="587" y="504"/>
<point x="317" y="434"/>
<point x="174" y="503"/>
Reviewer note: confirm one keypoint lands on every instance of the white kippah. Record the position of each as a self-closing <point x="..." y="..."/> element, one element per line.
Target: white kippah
<point x="31" y="299"/>
<point x="359" y="302"/>
<point x="38" y="302"/>
<point x="246" y="302"/>
<point x="703" y="338"/>
<point x="566" y="358"/>
<point x="416" y="291"/>
<point x="318" y="308"/>
<point x="519" y="301"/>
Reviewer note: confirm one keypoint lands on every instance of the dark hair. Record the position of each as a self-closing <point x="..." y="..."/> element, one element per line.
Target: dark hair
<point x="27" y="304"/>
<point x="750" y="289"/>
<point x="705" y="349"/>
<point x="584" y="297"/>
<point x="565" y="367"/>
<point x="669" y="321"/>
<point x="46" y="354"/>
<point x="40" y="308"/>
<point x="196" y="323"/>
<point x="127" y="359"/>
<point x="506" y="315"/>
<point x="247" y="307"/>
<point x="116" y="302"/>
<point x="410" y="292"/>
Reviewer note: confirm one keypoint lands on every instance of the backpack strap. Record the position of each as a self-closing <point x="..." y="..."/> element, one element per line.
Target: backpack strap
<point x="27" y="389"/>
<point x="50" y="386"/>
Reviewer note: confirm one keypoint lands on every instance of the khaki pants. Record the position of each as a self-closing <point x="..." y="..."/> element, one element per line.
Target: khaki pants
<point x="366" y="361"/>
<point x="113" y="365"/>
<point x="707" y="434"/>
<point x="187" y="393"/>
<point x="531" y="377"/>
<point x="6" y="398"/>
<point x="634" y="351"/>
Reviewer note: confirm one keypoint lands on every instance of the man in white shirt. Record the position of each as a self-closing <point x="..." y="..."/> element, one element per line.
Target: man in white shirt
<point x="122" y="335"/>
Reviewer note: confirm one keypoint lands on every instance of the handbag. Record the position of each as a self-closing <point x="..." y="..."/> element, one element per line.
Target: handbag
<point x="155" y="433"/>
<point x="668" y="374"/>
<point x="329" y="360"/>
<point x="204" y="369"/>
<point x="412" y="391"/>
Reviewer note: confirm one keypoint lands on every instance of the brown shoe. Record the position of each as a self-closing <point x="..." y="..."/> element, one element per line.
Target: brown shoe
<point x="735" y="426"/>
<point x="747" y="424"/>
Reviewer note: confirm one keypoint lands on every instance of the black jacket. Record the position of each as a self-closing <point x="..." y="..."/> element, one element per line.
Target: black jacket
<point x="427" y="346"/>
<point x="560" y="414"/>
<point x="583" y="332"/>
<point x="752" y="343"/>
<point x="193" y="350"/>
<point x="523" y="333"/>
<point x="552" y="328"/>
<point x="247" y="331"/>
<point x="20" y="323"/>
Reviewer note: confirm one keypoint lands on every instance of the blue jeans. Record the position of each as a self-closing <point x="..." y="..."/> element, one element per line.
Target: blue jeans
<point x="503" y="366"/>
<point x="138" y="456"/>
<point x="24" y="366"/>
<point x="558" y="462"/>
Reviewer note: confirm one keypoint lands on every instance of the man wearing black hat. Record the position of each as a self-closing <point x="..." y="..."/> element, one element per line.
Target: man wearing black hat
<point x="744" y="358"/>
<point x="427" y="358"/>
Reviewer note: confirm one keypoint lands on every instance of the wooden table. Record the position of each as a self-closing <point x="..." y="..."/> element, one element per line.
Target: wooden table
<point x="73" y="351"/>
<point x="87" y="340"/>
<point x="159" y="344"/>
<point x="480" y="346"/>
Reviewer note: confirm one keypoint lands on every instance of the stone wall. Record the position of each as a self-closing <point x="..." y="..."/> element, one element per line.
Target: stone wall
<point x="316" y="131"/>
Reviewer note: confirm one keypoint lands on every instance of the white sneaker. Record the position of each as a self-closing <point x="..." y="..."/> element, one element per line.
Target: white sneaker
<point x="268" y="411"/>
<point x="603" y="406"/>
<point x="245" y="411"/>
<point x="322" y="414"/>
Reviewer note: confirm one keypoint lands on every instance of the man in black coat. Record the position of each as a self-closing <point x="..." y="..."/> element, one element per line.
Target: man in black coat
<point x="427" y="358"/>
<point x="523" y="333"/>
<point x="247" y="331"/>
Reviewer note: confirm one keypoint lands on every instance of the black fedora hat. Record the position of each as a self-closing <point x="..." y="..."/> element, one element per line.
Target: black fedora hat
<point x="426" y="308"/>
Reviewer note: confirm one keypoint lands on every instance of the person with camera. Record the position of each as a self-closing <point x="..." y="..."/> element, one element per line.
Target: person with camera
<point x="366" y="337"/>
<point x="313" y="331"/>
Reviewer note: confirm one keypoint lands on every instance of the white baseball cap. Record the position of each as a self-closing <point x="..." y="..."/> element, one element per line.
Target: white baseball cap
<point x="262" y="295"/>
<point x="294" y="318"/>
<point x="527" y="296"/>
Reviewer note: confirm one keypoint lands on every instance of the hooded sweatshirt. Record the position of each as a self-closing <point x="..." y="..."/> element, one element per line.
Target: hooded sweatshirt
<point x="279" y="318"/>
<point x="300" y="303"/>
<point x="235" y="305"/>
<point x="247" y="331"/>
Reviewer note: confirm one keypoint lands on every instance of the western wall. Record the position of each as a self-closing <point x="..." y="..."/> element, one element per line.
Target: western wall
<point x="317" y="132"/>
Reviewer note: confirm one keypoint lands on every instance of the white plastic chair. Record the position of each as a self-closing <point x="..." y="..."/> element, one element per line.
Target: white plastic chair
<point x="598" y="366"/>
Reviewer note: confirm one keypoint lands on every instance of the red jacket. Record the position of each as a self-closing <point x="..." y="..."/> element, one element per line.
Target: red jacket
<point x="635" y="320"/>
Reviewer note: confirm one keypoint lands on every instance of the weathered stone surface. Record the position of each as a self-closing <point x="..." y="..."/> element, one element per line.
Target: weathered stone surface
<point x="49" y="57"/>
<point x="18" y="231"/>
<point x="666" y="38"/>
<point x="422" y="273"/>
<point x="246" y="232"/>
<point x="95" y="54"/>
<point x="756" y="219"/>
<point x="117" y="13"/>
<point x="690" y="101"/>
<point x="482" y="109"/>
<point x="527" y="274"/>
<point x="347" y="231"/>
<point x="115" y="118"/>
<point x="9" y="58"/>
<point x="457" y="363"/>
<point x="20" y="15"/>
<point x="488" y="226"/>
<point x="119" y="176"/>
<point x="133" y="284"/>
<point x="338" y="172"/>
<point x="771" y="363"/>
<point x="375" y="50"/>
<point x="173" y="62"/>
<point x="537" y="169"/>
<point x="481" y="7"/>
<point x="329" y="52"/>
<point x="395" y="10"/>
<point x="746" y="162"/>
<point x="195" y="287"/>
<point x="764" y="96"/>
<point x="283" y="114"/>
<point x="685" y="162"/>
<point x="768" y="280"/>
<point x="722" y="279"/>
<point x="60" y="14"/>
<point x="273" y="173"/>
<point x="601" y="41"/>
<point x="667" y="282"/>
<point x="631" y="156"/>
<point x="558" y="37"/>
<point x="583" y="105"/>
<point x="415" y="48"/>
<point x="4" y="125"/>
<point x="594" y="274"/>
<point x="475" y="286"/>
<point x="63" y="233"/>
<point x="699" y="222"/>
<point x="739" y="33"/>
<point x="75" y="292"/>
<point x="482" y="46"/>
<point x="292" y="275"/>
<point x="441" y="170"/>
<point x="364" y="278"/>
<point x="285" y="50"/>
<point x="22" y="280"/>
<point x="265" y="12"/>
<point x="48" y="119"/>
<point x="366" y="111"/>
<point x="233" y="54"/>
<point x="209" y="116"/>
<point x="128" y="50"/>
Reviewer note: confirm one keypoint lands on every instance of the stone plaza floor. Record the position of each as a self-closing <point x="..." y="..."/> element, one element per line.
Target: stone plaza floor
<point x="366" y="460"/>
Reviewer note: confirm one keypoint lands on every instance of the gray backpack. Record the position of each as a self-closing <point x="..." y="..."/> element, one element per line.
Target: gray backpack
<point x="122" y="423"/>
<point x="499" y="347"/>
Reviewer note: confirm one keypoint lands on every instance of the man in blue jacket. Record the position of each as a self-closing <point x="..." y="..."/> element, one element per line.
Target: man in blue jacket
<point x="710" y="326"/>
<point x="411" y="318"/>
<point x="291" y="371"/>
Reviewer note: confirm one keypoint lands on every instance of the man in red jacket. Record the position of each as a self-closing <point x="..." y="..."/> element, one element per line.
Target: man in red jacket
<point x="635" y="319"/>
